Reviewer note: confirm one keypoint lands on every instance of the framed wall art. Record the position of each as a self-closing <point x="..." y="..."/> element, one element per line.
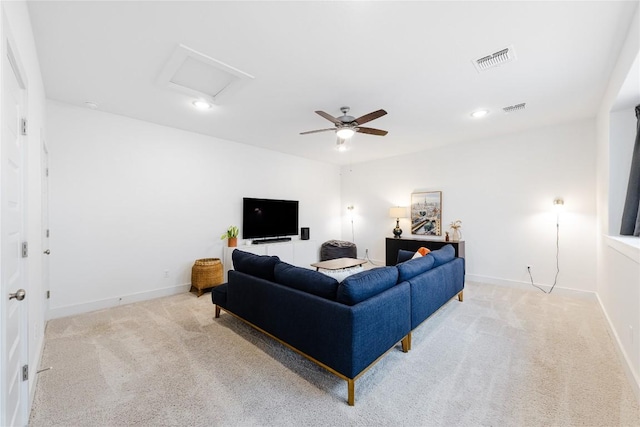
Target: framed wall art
<point x="426" y="213"/>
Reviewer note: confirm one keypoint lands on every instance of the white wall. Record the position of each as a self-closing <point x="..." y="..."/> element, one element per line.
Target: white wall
<point x="502" y="189"/>
<point x="130" y="200"/>
<point x="19" y="26"/>
<point x="618" y="267"/>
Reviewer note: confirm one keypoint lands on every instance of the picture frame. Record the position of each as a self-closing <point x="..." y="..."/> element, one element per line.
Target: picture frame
<point x="426" y="213"/>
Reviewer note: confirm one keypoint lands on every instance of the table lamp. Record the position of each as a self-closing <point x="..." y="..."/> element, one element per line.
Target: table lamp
<point x="397" y="213"/>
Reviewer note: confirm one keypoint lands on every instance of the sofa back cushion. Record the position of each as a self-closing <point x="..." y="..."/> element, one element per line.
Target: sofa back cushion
<point x="364" y="285"/>
<point x="256" y="265"/>
<point x="443" y="255"/>
<point x="404" y="255"/>
<point x="413" y="267"/>
<point x="306" y="280"/>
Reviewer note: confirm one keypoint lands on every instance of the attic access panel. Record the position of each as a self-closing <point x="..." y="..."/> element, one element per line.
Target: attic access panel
<point x="196" y="74"/>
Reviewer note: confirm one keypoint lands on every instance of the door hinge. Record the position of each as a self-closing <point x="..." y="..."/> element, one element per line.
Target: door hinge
<point x="48" y="294"/>
<point x="25" y="249"/>
<point x="23" y="126"/>
<point x="46" y="172"/>
<point x="25" y="372"/>
<point x="47" y="233"/>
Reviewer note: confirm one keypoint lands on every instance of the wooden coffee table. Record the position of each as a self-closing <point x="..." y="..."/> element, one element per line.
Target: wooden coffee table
<point x="338" y="264"/>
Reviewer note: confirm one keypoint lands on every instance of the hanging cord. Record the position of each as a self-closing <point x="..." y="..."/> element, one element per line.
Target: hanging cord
<point x="366" y="257"/>
<point x="353" y="234"/>
<point x="555" y="280"/>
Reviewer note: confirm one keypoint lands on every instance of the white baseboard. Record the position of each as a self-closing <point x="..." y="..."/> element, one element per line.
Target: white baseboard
<point x="527" y="285"/>
<point x="624" y="358"/>
<point x="71" y="310"/>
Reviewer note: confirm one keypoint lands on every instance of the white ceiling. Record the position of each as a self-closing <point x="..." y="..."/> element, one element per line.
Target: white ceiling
<point x="413" y="59"/>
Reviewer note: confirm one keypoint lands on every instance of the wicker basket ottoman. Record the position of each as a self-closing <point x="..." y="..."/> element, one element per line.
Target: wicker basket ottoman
<point x="206" y="273"/>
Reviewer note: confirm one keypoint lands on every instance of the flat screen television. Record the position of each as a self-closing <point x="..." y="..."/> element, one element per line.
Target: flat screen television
<point x="262" y="218"/>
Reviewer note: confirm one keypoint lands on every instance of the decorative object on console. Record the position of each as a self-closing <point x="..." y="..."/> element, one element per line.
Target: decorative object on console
<point x="426" y="213"/>
<point x="232" y="235"/>
<point x="397" y="213"/>
<point x="456" y="226"/>
<point x="446" y="236"/>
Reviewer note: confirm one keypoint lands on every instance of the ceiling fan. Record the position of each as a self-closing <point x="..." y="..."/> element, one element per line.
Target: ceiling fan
<point x="346" y="126"/>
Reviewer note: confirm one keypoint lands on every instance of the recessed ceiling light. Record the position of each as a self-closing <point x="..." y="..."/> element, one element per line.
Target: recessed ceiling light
<point x="90" y="104"/>
<point x="479" y="113"/>
<point x="201" y="104"/>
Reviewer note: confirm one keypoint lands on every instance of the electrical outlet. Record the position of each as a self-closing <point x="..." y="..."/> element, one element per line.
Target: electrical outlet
<point x="166" y="274"/>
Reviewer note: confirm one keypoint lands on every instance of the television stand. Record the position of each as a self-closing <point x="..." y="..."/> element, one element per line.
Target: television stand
<point x="274" y="240"/>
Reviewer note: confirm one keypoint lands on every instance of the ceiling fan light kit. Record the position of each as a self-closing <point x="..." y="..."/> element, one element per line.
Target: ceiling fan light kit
<point x="346" y="126"/>
<point x="341" y="145"/>
<point x="345" y="133"/>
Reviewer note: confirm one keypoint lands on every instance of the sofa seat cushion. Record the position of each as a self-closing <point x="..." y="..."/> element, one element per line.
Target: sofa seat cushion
<point x="414" y="267"/>
<point x="303" y="279"/>
<point x="219" y="295"/>
<point x="364" y="285"/>
<point x="256" y="265"/>
<point x="443" y="255"/>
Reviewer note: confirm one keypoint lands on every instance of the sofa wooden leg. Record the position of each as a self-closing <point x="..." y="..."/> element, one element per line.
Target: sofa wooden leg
<point x="406" y="343"/>
<point x="217" y="311"/>
<point x="460" y="298"/>
<point x="351" y="399"/>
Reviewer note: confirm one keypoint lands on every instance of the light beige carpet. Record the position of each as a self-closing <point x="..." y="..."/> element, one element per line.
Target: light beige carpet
<point x="503" y="357"/>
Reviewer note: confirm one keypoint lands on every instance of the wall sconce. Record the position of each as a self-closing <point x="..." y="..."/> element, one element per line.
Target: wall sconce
<point x="558" y="203"/>
<point x="397" y="213"/>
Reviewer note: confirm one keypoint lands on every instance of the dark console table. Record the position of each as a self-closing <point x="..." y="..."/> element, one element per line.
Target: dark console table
<point x="393" y="245"/>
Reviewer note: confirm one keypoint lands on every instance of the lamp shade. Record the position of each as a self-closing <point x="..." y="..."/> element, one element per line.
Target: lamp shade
<point x="398" y="212"/>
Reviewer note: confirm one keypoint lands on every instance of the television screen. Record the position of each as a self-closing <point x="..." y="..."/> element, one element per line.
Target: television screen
<point x="269" y="218"/>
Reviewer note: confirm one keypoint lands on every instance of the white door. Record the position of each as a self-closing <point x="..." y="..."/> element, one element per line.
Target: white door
<point x="45" y="222"/>
<point x="14" y="396"/>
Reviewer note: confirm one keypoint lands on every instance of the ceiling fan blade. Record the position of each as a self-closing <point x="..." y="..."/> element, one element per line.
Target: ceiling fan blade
<point x="372" y="131"/>
<point x="329" y="117"/>
<point x="368" y="117"/>
<point x="316" y="131"/>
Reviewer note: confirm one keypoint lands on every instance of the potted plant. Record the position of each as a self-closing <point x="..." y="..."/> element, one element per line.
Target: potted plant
<point x="232" y="236"/>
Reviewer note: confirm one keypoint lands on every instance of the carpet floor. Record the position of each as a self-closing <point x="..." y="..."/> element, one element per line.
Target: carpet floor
<point x="503" y="357"/>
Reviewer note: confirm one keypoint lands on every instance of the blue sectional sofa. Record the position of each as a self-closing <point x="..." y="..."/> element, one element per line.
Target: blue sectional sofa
<point x="344" y="327"/>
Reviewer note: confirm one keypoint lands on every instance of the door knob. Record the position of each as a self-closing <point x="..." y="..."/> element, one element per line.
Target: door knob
<point x="19" y="295"/>
<point x="47" y="252"/>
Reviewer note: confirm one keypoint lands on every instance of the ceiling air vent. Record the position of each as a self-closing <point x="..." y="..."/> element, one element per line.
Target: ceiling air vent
<point x="514" y="108"/>
<point x="196" y="74"/>
<point x="495" y="59"/>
